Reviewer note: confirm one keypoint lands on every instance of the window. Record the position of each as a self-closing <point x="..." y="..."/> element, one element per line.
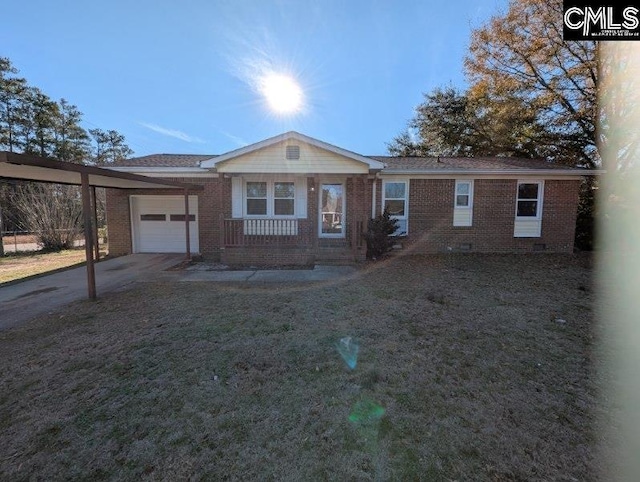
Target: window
<point x="270" y="198"/>
<point x="463" y="194"/>
<point x="283" y="198"/>
<point x="529" y="200"/>
<point x="257" y="198"/>
<point x="463" y="203"/>
<point x="153" y="217"/>
<point x="180" y="217"/>
<point x="394" y="200"/>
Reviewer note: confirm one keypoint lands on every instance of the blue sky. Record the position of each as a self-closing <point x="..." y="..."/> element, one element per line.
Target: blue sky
<point x="180" y="77"/>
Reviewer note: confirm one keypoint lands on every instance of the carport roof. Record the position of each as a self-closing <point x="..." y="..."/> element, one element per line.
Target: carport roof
<point x="35" y="168"/>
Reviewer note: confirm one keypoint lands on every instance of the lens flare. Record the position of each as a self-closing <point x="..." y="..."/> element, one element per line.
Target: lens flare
<point x="282" y="93"/>
<point x="348" y="349"/>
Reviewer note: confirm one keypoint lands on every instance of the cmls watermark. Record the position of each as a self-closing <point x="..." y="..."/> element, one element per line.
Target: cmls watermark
<point x="588" y="20"/>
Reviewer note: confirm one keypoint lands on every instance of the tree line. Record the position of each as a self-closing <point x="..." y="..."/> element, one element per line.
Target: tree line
<point x="32" y="123"/>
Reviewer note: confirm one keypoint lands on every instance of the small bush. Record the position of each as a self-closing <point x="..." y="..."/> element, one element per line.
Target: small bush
<point x="378" y="235"/>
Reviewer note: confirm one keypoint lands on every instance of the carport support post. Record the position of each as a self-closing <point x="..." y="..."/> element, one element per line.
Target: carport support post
<point x="88" y="234"/>
<point x="186" y="223"/>
<point x="96" y="240"/>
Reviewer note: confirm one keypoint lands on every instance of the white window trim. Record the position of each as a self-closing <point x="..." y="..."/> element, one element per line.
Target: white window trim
<point x="463" y="215"/>
<point x="406" y="201"/>
<point x="455" y="193"/>
<point x="270" y="199"/>
<point x="540" y="200"/>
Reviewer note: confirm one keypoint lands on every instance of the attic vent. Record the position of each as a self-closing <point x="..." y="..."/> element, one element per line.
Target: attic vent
<point x="293" y="152"/>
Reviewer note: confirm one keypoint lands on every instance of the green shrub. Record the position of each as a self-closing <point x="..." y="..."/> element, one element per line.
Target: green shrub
<point x="378" y="235"/>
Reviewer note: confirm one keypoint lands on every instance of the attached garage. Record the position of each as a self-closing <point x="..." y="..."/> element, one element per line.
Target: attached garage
<point x="158" y="224"/>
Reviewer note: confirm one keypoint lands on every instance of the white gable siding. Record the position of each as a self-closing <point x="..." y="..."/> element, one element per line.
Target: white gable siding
<point x="272" y="160"/>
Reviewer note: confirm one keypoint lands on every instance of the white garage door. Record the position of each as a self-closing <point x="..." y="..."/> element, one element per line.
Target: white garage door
<point x="158" y="224"/>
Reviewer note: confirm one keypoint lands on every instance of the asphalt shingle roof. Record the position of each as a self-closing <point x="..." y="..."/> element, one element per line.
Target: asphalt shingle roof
<point x="408" y="164"/>
<point x="465" y="163"/>
<point x="164" y="160"/>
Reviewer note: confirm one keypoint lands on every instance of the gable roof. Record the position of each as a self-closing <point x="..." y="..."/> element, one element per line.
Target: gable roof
<point x="292" y="135"/>
<point x="476" y="165"/>
<point x="387" y="165"/>
<point x="163" y="160"/>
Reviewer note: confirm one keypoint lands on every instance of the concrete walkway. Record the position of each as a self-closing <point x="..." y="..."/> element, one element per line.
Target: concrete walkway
<point x="318" y="273"/>
<point x="22" y="301"/>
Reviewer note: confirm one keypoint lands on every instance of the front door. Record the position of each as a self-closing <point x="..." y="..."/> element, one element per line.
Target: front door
<point x="332" y="210"/>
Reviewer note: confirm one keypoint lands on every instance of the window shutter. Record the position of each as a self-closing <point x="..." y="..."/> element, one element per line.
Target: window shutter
<point x="301" y="198"/>
<point x="236" y="197"/>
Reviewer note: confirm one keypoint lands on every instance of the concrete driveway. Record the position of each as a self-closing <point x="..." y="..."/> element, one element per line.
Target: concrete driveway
<point x="20" y="302"/>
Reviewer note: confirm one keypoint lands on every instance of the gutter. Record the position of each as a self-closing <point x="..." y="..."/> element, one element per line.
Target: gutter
<point x="501" y="172"/>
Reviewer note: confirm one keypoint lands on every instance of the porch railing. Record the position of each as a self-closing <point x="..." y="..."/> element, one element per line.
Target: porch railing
<point x="260" y="232"/>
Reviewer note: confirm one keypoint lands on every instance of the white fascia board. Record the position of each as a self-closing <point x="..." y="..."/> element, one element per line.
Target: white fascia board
<point x="212" y="163"/>
<point x="166" y="171"/>
<point x="546" y="173"/>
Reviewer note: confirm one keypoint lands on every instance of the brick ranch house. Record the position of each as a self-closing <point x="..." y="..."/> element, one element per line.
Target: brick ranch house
<point x="292" y="199"/>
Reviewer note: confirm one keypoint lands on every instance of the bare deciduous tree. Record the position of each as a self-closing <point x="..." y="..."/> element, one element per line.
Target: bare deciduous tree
<point x="52" y="211"/>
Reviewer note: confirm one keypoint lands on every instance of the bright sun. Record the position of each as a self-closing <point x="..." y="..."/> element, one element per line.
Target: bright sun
<point x="282" y="92"/>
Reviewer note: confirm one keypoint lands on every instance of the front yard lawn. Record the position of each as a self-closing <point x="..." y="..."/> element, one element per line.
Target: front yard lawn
<point x="484" y="367"/>
<point x="22" y="265"/>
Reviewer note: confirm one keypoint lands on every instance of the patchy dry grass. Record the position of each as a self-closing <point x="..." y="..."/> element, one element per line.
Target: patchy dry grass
<point x="478" y="377"/>
<point x="21" y="265"/>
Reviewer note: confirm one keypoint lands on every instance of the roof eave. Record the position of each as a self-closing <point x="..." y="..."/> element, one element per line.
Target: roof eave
<point x="168" y="169"/>
<point x="500" y="172"/>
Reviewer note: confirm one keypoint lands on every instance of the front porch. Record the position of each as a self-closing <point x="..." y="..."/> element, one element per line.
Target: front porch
<point x="288" y="241"/>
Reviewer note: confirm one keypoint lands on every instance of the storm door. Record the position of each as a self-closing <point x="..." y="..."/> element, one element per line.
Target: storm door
<point x="332" y="209"/>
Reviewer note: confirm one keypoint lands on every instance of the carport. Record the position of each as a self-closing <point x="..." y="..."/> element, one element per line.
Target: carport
<point x="26" y="167"/>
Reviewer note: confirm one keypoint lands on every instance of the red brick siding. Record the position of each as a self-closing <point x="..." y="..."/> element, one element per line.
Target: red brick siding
<point x="118" y="222"/>
<point x="271" y="255"/>
<point x="119" y="212"/>
<point x="431" y="217"/>
<point x="358" y="204"/>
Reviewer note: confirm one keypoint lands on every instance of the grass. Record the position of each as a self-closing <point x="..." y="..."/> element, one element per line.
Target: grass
<point x="477" y="378"/>
<point x="15" y="266"/>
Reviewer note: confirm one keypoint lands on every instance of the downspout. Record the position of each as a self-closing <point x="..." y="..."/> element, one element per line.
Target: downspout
<point x="373" y="195"/>
<point x="186" y="225"/>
